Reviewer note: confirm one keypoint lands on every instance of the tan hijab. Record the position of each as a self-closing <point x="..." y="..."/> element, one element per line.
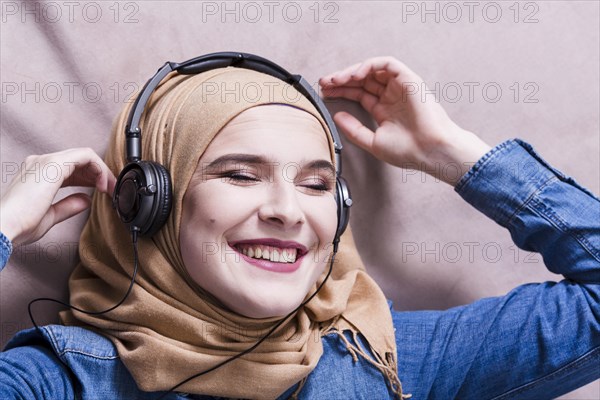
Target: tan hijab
<point x="168" y="329"/>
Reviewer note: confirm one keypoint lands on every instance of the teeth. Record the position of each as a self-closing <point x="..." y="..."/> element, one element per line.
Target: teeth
<point x="292" y="254"/>
<point x="285" y="255"/>
<point x="270" y="253"/>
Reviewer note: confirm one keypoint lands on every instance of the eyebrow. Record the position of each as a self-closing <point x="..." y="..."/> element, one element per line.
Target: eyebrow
<point x="242" y="158"/>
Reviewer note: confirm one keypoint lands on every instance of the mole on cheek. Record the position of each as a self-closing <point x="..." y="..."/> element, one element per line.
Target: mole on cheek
<point x="212" y="221"/>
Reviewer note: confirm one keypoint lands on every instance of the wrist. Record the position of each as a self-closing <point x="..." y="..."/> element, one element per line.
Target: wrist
<point x="454" y="156"/>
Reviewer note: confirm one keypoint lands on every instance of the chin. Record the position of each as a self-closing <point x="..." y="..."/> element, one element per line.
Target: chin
<point x="266" y="307"/>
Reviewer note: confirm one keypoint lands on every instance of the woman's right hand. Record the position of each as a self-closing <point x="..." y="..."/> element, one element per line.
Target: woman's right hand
<point x="413" y="129"/>
<point x="26" y="209"/>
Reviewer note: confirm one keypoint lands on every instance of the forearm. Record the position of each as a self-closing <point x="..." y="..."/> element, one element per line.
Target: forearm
<point x="544" y="210"/>
<point x="540" y="340"/>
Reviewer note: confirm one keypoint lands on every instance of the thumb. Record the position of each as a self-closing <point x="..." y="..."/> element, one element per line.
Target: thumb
<point x="355" y="131"/>
<point x="63" y="209"/>
<point x="70" y="206"/>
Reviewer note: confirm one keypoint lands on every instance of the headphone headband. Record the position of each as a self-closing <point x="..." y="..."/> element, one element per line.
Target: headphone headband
<point x="143" y="193"/>
<point x="221" y="60"/>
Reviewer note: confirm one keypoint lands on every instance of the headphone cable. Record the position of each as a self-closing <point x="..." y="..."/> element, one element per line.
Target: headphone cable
<point x="269" y="333"/>
<point x="135" y="268"/>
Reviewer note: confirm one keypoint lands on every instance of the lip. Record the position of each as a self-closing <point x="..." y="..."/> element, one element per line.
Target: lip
<point x="269" y="265"/>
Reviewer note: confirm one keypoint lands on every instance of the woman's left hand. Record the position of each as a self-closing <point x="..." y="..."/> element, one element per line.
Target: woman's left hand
<point x="414" y="130"/>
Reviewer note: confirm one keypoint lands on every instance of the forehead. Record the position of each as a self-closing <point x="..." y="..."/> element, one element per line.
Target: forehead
<point x="274" y="129"/>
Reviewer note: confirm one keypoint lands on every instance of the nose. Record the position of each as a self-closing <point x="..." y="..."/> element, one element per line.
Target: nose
<point x="281" y="207"/>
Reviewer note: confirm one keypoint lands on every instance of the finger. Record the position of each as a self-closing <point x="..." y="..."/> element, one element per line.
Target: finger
<point x="353" y="92"/>
<point x="354" y="130"/>
<point x="69" y="207"/>
<point x="386" y="69"/>
<point x="382" y="77"/>
<point x="389" y="64"/>
<point x="349" y="83"/>
<point x="366" y="99"/>
<point x="112" y="182"/>
<point x="382" y="68"/>
<point x="359" y="71"/>
<point x="341" y="77"/>
<point x="334" y="77"/>
<point x="370" y="84"/>
<point x="85" y="168"/>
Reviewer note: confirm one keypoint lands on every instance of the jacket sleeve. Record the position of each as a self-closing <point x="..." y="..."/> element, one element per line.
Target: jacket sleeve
<point x="540" y="340"/>
<point x="33" y="372"/>
<point x="5" y="250"/>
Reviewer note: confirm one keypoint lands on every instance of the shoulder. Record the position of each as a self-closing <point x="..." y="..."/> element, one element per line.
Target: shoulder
<point x="93" y="361"/>
<point x="31" y="372"/>
<point x="66" y="340"/>
<point x="65" y="360"/>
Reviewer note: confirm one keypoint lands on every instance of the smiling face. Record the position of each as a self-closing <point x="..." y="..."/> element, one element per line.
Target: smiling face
<point x="259" y="214"/>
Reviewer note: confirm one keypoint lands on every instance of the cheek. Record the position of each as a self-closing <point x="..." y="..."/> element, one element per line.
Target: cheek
<point x="322" y="213"/>
<point x="201" y="218"/>
<point x="210" y="206"/>
<point x="210" y="211"/>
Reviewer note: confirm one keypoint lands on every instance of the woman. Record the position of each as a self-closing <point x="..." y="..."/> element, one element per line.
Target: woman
<point x="200" y="297"/>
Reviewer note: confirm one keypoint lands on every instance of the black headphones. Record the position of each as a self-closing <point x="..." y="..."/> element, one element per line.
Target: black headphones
<point x="143" y="193"/>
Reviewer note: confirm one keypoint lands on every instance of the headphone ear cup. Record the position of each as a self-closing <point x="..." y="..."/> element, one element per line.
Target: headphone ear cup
<point x="163" y="199"/>
<point x="344" y="202"/>
<point x="142" y="196"/>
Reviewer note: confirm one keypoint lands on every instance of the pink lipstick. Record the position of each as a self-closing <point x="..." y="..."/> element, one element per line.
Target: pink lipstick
<point x="269" y="265"/>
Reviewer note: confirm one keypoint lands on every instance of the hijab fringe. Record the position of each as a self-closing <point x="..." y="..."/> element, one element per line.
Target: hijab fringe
<point x="387" y="367"/>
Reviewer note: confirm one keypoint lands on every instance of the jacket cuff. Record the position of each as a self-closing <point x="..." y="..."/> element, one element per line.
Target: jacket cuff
<point x="5" y="250"/>
<point x="503" y="180"/>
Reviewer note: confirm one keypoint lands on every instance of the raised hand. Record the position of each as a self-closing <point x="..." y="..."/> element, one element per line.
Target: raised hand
<point x="412" y="132"/>
<point x="26" y="209"/>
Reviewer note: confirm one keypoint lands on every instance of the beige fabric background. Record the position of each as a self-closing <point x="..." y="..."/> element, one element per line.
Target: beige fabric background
<point x="67" y="68"/>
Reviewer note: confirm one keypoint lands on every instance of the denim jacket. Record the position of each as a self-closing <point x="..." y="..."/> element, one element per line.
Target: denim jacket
<point x="538" y="341"/>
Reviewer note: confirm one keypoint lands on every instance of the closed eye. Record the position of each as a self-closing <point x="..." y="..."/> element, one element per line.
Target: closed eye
<point x="321" y="188"/>
<point x="318" y="185"/>
<point x="239" y="177"/>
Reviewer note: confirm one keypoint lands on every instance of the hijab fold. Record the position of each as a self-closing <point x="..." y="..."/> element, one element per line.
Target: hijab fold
<point x="169" y="328"/>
